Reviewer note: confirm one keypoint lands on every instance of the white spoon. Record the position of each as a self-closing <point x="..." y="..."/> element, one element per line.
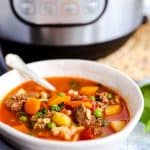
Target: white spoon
<point x="15" y="62"/>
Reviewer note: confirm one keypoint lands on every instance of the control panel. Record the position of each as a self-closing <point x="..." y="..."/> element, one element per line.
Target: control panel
<point x="57" y="12"/>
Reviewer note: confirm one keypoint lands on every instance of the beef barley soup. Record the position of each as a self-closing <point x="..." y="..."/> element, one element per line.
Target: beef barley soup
<point x="80" y="109"/>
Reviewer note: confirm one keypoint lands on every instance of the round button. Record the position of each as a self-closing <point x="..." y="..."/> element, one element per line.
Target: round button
<point x="27" y="7"/>
<point x="49" y="9"/>
<point x="71" y="9"/>
<point x="26" y="1"/>
<point x="92" y="6"/>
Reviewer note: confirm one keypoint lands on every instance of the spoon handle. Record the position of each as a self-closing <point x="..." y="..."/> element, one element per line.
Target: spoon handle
<point x="14" y="61"/>
<point x="3" y="66"/>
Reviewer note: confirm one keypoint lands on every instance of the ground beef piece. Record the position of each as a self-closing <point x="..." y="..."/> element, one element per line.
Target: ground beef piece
<point x="96" y="121"/>
<point x="15" y="103"/>
<point x="96" y="125"/>
<point x="97" y="130"/>
<point x="101" y="105"/>
<point x="82" y="117"/>
<point x="102" y="96"/>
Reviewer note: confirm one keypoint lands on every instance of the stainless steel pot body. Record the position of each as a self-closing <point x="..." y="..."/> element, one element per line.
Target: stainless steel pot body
<point x="119" y="18"/>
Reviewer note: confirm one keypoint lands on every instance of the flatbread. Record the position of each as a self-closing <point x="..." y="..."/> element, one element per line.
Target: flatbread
<point x="133" y="58"/>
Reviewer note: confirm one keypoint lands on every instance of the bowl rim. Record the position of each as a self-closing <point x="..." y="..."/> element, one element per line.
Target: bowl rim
<point x="145" y="82"/>
<point x="130" y="126"/>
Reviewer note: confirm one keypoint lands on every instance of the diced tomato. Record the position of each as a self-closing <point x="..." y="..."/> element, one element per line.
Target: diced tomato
<point x="59" y="99"/>
<point x="93" y="106"/>
<point x="44" y="105"/>
<point x="66" y="111"/>
<point x="87" y="134"/>
<point x="91" y="102"/>
<point x="73" y="104"/>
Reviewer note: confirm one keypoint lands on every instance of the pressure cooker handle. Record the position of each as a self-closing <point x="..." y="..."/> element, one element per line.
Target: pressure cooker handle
<point x="3" y="66"/>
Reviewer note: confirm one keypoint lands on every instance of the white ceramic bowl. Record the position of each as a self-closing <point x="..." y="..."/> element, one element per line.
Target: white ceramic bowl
<point x="77" y="68"/>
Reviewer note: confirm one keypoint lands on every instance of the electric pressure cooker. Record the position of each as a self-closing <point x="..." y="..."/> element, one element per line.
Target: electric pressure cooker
<point x="67" y="23"/>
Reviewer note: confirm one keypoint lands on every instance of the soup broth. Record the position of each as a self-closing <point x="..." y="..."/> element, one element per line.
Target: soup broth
<point x="80" y="109"/>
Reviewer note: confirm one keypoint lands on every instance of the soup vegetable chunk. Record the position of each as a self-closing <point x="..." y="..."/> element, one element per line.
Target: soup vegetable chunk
<point x="79" y="110"/>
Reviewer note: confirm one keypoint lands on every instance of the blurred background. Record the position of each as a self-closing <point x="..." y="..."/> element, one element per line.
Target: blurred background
<point x="115" y="33"/>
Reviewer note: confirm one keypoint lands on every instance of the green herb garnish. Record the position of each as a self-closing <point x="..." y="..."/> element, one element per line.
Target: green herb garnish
<point x="55" y="108"/>
<point x="92" y="98"/>
<point x="51" y="125"/>
<point x="61" y="94"/>
<point x="109" y="96"/>
<point x="147" y="127"/>
<point x="44" y="111"/>
<point x="23" y="118"/>
<point x="39" y="114"/>
<point x="145" y="119"/>
<point x="97" y="113"/>
<point x="62" y="105"/>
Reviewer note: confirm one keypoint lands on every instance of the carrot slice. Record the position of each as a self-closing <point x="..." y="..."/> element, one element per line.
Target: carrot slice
<point x="89" y="90"/>
<point x="32" y="106"/>
<point x="74" y="104"/>
<point x="58" y="100"/>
